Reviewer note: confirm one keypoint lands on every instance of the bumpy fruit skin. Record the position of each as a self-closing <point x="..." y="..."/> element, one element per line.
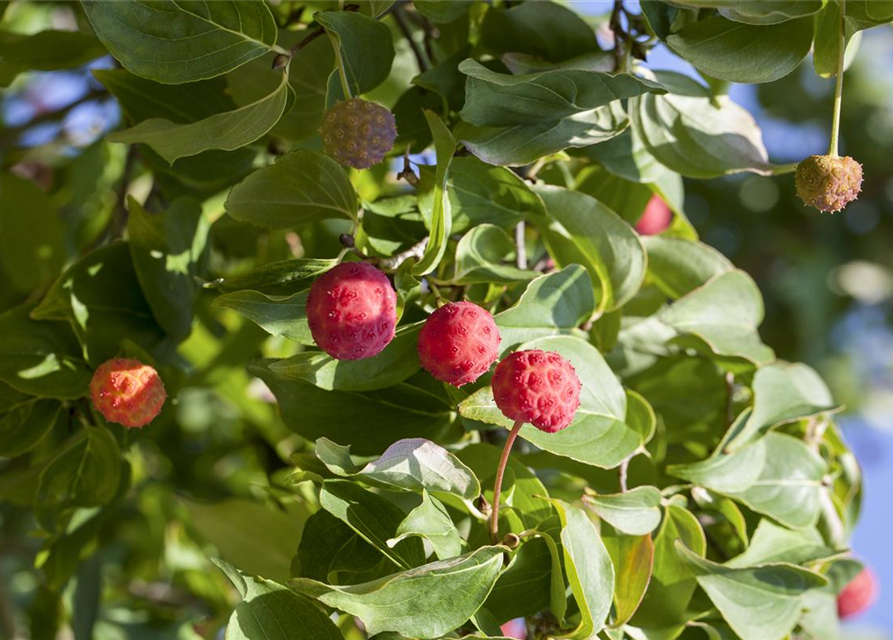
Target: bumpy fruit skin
<point x="459" y="343"/>
<point x="358" y="133"/>
<point x="858" y="595"/>
<point x="352" y="311"/>
<point x="828" y="183"/>
<point x="128" y="392"/>
<point x="537" y="387"/>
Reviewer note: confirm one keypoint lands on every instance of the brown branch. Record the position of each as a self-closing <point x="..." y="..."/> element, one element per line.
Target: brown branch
<point x="407" y="32"/>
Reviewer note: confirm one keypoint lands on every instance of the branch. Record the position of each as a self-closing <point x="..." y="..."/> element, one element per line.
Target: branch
<point x="407" y="32"/>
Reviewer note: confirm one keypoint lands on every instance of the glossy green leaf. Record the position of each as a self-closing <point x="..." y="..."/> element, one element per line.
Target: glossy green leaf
<point x="333" y="553"/>
<point x="431" y="521"/>
<point x="271" y="611"/>
<point x="24" y="421"/>
<point x="635" y="512"/>
<point x="524" y="587"/>
<point x="300" y="188"/>
<point x="772" y="543"/>
<point x="227" y="131"/>
<point x="679" y="266"/>
<point x="739" y="52"/>
<point x="366" y="50"/>
<point x="166" y="249"/>
<point x="589" y="569"/>
<point x="523" y="144"/>
<point x="45" y="51"/>
<point x="41" y="358"/>
<point x="697" y="135"/>
<point x="411" y="603"/>
<point x="632" y="557"/>
<point x="440" y="221"/>
<point x="278" y="316"/>
<point x="500" y="100"/>
<point x="547" y="30"/>
<point x="762" y="602"/>
<point x="159" y="41"/>
<point x="481" y="256"/>
<point x="725" y="313"/>
<point x="613" y="253"/>
<point x="368" y="422"/>
<point x="282" y="278"/>
<point x="412" y="464"/>
<point x="394" y="364"/>
<point x="552" y="304"/>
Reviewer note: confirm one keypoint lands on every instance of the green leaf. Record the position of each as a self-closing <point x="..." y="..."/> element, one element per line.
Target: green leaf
<point x="41" y="358"/>
<point x="374" y="518"/>
<point x="764" y="12"/>
<point x="228" y="131"/>
<point x="678" y="266"/>
<point x="159" y="41"/>
<point x="259" y="538"/>
<point x="495" y="99"/>
<point x="553" y="304"/>
<point x="308" y="74"/>
<point x="366" y="48"/>
<point x="45" y="51"/>
<point x="480" y="193"/>
<point x="725" y="313"/>
<point x="411" y="603"/>
<point x="85" y="473"/>
<point x="589" y="570"/>
<point x="300" y="188"/>
<point x="544" y="29"/>
<point x="632" y="557"/>
<point x="166" y="249"/>
<point x="772" y="543"/>
<point x="523" y="589"/>
<point x="412" y="464"/>
<point x="278" y="316"/>
<point x="480" y="254"/>
<point x="32" y="250"/>
<point x="738" y="52"/>
<point x="369" y="422"/>
<point x="612" y="251"/>
<point x="282" y="278"/>
<point x="441" y="220"/>
<point x="442" y="11"/>
<point x="25" y="421"/>
<point x="599" y="435"/>
<point x="523" y="144"/>
<point x="100" y="295"/>
<point x="859" y="15"/>
<point x="332" y="552"/>
<point x="672" y="583"/>
<point x="625" y="156"/>
<point x="635" y="512"/>
<point x="776" y="475"/>
<point x="783" y="392"/>
<point x="762" y="602"/>
<point x="271" y="611"/>
<point x="698" y="135"/>
<point x="394" y="364"/>
<point x="431" y="521"/>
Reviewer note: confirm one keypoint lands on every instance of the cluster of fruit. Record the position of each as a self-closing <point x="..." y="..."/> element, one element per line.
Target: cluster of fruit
<point x="352" y="313"/>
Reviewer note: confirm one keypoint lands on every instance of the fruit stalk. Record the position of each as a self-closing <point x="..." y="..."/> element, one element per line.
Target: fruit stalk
<point x="497" y="487"/>
<point x="838" y="88"/>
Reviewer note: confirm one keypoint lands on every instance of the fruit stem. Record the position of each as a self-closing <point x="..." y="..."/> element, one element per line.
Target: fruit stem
<point x="342" y="75"/>
<point x="838" y="89"/>
<point x="497" y="488"/>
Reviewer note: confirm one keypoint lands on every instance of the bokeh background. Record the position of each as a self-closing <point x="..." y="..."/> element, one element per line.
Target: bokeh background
<point x="827" y="280"/>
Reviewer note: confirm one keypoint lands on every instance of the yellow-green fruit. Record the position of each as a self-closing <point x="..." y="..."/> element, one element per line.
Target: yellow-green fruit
<point x="358" y="133"/>
<point x="828" y="183"/>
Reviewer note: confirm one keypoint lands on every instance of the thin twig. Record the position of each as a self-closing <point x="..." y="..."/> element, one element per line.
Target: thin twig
<point x="497" y="486"/>
<point x="624" y="474"/>
<point x="407" y="32"/>
<point x="520" y="246"/>
<point x="415" y="251"/>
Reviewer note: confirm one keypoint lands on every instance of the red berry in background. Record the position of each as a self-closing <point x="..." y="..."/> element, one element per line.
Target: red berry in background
<point x="537" y="387"/>
<point x="352" y="311"/>
<point x="459" y="343"/>
<point x="858" y="595"/>
<point x="358" y="133"/>
<point x="515" y="629"/>
<point x="127" y="391"/>
<point x="656" y="218"/>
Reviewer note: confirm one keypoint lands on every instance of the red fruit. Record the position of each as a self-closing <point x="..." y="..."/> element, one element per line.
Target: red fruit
<point x="127" y="391"/>
<point x="352" y="311"/>
<point x="514" y="629"/>
<point x="538" y="387"/>
<point x="858" y="595"/>
<point x="657" y="217"/>
<point x="458" y="343"/>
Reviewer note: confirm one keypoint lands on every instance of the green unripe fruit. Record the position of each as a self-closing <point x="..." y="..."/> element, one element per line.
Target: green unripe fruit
<point x="358" y="133"/>
<point x="828" y="183"/>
